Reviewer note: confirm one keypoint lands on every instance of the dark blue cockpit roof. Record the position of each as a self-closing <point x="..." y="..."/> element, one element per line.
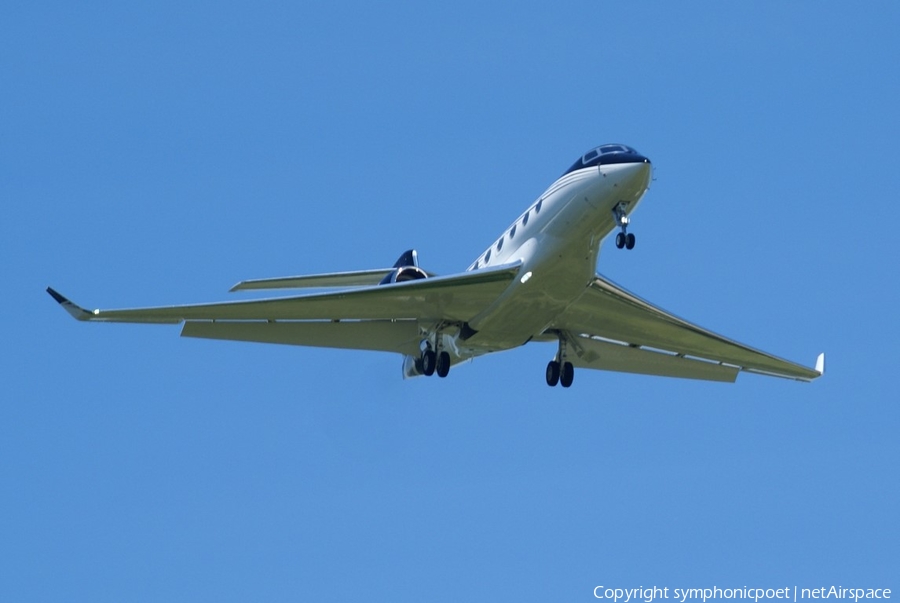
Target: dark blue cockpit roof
<point x="607" y="154"/>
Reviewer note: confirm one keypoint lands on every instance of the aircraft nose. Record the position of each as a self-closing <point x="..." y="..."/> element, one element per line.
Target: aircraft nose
<point x="631" y="178"/>
<point x="637" y="172"/>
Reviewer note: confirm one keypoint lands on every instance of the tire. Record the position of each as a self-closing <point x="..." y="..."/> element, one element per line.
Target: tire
<point x="568" y="375"/>
<point x="552" y="373"/>
<point x="620" y="240"/>
<point x="629" y="241"/>
<point x="428" y="363"/>
<point x="443" y="364"/>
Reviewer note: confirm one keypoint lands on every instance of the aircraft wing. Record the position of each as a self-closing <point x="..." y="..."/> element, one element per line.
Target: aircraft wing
<point x="449" y="298"/>
<point x="613" y="329"/>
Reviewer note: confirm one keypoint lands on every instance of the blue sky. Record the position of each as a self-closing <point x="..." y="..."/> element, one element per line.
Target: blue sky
<point x="158" y="154"/>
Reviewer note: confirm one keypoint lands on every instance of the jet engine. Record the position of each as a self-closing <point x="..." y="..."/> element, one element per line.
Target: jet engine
<point x="405" y="269"/>
<point x="403" y="274"/>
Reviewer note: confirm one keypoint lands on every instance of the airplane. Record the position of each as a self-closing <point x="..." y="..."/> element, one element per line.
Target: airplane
<point x="536" y="282"/>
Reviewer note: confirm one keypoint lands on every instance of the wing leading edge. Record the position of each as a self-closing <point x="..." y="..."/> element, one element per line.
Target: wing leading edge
<point x="613" y="329"/>
<point x="450" y="298"/>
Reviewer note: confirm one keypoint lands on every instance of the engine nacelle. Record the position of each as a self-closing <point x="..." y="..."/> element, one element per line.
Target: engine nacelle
<point x="403" y="274"/>
<point x="412" y="367"/>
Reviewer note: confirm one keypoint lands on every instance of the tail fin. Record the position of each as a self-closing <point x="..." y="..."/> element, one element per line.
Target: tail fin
<point x="409" y="258"/>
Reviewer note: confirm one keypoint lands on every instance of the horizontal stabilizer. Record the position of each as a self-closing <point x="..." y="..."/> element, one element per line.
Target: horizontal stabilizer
<point x="358" y="278"/>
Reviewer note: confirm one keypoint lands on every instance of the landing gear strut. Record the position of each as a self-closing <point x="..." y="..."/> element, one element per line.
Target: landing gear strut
<point x="560" y="370"/>
<point x="624" y="238"/>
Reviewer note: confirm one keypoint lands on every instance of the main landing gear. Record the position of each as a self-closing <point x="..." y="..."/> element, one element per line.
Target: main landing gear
<point x="436" y="361"/>
<point x="559" y="370"/>
<point x="623" y="239"/>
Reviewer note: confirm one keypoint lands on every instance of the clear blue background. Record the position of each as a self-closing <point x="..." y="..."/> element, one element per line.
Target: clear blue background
<point x="156" y="154"/>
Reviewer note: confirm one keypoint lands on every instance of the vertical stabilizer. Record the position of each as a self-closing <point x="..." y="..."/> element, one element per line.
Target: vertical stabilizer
<point x="409" y="258"/>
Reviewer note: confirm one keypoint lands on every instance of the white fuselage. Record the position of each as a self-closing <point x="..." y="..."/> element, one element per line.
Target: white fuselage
<point x="558" y="241"/>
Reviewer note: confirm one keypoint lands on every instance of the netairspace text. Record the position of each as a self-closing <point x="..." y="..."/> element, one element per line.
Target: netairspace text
<point x="682" y="595"/>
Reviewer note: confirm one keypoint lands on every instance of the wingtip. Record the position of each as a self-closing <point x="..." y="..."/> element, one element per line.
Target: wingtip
<point x="76" y="311"/>
<point x="55" y="295"/>
<point x="820" y="364"/>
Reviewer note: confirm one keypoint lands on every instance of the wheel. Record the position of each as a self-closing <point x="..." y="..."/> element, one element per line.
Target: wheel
<point x="443" y="364"/>
<point x="552" y="373"/>
<point x="620" y="240"/>
<point x="629" y="241"/>
<point x="428" y="363"/>
<point x="568" y="375"/>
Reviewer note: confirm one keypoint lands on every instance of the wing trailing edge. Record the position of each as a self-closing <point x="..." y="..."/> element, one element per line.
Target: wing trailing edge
<point x="619" y="357"/>
<point x="400" y="336"/>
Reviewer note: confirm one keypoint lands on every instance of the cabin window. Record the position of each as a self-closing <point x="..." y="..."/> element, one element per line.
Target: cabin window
<point x="537" y="208"/>
<point x="525" y="218"/>
<point x="487" y="257"/>
<point x="500" y="244"/>
<point x="512" y="231"/>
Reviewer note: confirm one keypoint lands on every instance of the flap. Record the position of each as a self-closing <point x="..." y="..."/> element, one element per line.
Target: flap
<point x="401" y="336"/>
<point x="607" y="356"/>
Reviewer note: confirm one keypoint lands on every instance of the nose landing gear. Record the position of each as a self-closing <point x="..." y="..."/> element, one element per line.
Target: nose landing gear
<point x="623" y="239"/>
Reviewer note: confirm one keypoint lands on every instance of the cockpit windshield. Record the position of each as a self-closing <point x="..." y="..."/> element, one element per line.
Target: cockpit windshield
<point x="608" y="154"/>
<point x="614" y="148"/>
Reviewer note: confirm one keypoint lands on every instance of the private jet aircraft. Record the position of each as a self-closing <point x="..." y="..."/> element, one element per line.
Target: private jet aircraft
<point x="536" y="282"/>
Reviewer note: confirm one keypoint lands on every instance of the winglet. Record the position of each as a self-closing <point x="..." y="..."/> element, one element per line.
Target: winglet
<point x="820" y="364"/>
<point x="76" y="311"/>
